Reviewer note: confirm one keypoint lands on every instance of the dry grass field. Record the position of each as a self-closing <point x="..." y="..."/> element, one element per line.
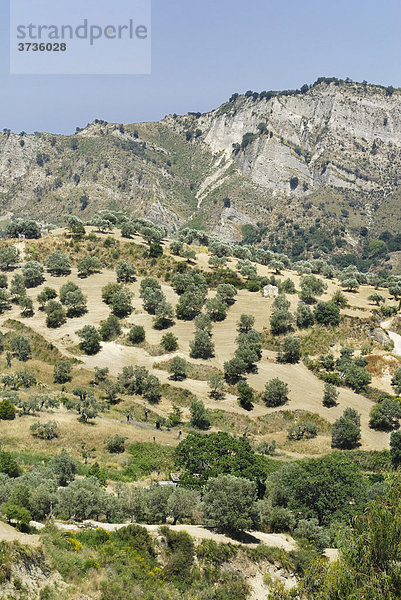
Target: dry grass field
<point x="306" y="390"/>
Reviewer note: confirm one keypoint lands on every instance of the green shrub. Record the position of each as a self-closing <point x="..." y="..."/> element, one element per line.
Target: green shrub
<point x="136" y="334"/>
<point x="147" y="457"/>
<point x="215" y="553"/>
<point x="275" y="393"/>
<point x="169" y="342"/>
<point x="116" y="444"/>
<point x="45" y="431"/>
<point x="7" y="410"/>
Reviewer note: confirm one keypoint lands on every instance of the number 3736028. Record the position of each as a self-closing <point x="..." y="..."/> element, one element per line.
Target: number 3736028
<point x="35" y="47"/>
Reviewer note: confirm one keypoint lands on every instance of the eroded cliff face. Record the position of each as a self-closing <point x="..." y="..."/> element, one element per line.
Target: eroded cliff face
<point x="345" y="136"/>
<point x="332" y="152"/>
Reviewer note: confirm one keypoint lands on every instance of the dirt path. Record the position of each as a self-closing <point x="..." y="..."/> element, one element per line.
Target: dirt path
<point x="10" y="534"/>
<point x="278" y="540"/>
<point x="395" y="337"/>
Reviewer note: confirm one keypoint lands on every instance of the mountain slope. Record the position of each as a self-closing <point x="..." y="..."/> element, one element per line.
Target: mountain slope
<point x="269" y="161"/>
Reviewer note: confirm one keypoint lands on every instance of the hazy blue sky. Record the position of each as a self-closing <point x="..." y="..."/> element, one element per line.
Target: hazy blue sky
<point x="205" y="50"/>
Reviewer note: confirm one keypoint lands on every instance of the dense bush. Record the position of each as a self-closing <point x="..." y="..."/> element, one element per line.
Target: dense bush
<point x="136" y="334"/>
<point x="346" y="431"/>
<point x="7" y="410"/>
<point x="203" y="456"/>
<point x="275" y="393"/>
<point x="90" y="339"/>
<point x="385" y="415"/>
<point x="45" y="431"/>
<point x="169" y="342"/>
<point x="116" y="444"/>
<point x="328" y="489"/>
<point x="327" y="313"/>
<point x="229" y="503"/>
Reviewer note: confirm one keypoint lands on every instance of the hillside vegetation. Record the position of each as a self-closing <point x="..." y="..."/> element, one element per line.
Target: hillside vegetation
<point x="310" y="172"/>
<point x="126" y="357"/>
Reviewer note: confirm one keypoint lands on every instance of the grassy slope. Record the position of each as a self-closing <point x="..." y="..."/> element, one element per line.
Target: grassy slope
<point x="262" y="423"/>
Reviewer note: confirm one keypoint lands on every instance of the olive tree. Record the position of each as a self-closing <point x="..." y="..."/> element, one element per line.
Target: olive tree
<point x="178" y="368"/>
<point x="183" y="504"/>
<point x="88" y="265"/>
<point x="9" y="257"/>
<point x="275" y="393"/>
<point x="229" y="503"/>
<point x="58" y="264"/>
<point x="346" y="431"/>
<point x="199" y="415"/>
<point x="72" y="297"/>
<point x="201" y="346"/>
<point x="396" y="382"/>
<point x="385" y="415"/>
<point x="125" y="272"/>
<point x="55" y="314"/>
<point x="32" y="272"/>
<point x="90" y="339"/>
<point x="330" y="395"/>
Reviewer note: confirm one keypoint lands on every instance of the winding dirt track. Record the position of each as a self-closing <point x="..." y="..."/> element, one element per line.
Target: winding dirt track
<point x="278" y="540"/>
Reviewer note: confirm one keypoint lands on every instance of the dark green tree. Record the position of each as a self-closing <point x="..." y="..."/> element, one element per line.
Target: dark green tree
<point x="58" y="264"/>
<point x="346" y="431"/>
<point x="90" y="339"/>
<point x="275" y="393"/>
<point x="201" y="346"/>
<point x="7" y="410"/>
<point x="229" y="503"/>
<point x="32" y="272"/>
<point x="199" y="415"/>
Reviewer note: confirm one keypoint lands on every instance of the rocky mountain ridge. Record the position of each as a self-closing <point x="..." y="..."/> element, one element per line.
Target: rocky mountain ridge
<point x="330" y="152"/>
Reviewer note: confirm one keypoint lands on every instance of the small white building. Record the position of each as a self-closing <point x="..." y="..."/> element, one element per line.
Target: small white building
<point x="270" y="291"/>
